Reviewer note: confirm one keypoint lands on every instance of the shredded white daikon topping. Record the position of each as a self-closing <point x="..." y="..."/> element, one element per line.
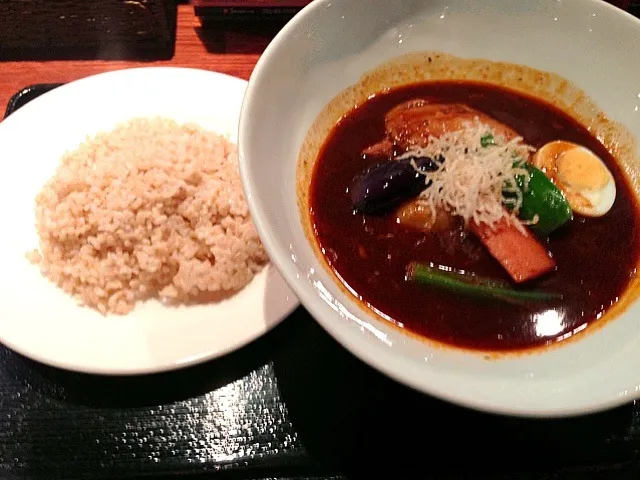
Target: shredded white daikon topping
<point x="471" y="179"/>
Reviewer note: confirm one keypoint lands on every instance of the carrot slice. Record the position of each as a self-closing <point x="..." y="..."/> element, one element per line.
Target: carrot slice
<point x="520" y="254"/>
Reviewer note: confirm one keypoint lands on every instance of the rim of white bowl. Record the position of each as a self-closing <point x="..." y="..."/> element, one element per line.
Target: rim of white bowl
<point x="371" y="353"/>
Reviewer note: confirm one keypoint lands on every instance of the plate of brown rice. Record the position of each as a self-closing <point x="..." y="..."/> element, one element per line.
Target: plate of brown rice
<point x="128" y="245"/>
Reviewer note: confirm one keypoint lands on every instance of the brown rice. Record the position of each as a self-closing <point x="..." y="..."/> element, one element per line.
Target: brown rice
<point x="152" y="208"/>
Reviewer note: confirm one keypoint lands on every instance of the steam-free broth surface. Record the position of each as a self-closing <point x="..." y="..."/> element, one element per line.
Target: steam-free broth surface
<point x="596" y="257"/>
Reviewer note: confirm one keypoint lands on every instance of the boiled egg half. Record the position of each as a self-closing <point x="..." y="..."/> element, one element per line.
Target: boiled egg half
<point x="580" y="174"/>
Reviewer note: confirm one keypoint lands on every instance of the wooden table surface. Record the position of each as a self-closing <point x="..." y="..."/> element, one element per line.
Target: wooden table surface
<point x="228" y="49"/>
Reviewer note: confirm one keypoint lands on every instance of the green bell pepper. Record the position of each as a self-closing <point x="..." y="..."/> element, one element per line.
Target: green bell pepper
<point x="542" y="198"/>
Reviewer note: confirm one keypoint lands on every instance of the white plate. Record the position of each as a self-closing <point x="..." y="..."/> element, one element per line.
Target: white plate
<point x="41" y="322"/>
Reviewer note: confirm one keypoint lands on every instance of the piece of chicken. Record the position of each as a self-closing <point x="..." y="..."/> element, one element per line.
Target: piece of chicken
<point x="382" y="149"/>
<point x="410" y="124"/>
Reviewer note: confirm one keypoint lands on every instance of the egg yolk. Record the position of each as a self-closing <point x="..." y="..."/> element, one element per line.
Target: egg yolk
<point x="580" y="170"/>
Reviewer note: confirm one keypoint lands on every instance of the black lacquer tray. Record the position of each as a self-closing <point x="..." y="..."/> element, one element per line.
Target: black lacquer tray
<point x="292" y="405"/>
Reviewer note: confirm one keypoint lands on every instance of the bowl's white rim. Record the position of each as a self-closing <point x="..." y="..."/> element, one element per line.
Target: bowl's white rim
<point x="373" y="353"/>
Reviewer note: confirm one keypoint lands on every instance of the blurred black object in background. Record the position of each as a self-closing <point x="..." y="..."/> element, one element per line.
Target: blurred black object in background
<point x="214" y="12"/>
<point x="87" y="29"/>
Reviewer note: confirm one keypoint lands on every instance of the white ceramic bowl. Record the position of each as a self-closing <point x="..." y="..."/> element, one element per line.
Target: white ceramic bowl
<point x="327" y="48"/>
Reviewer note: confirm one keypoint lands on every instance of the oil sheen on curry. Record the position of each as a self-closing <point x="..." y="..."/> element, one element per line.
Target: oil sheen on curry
<point x="474" y="215"/>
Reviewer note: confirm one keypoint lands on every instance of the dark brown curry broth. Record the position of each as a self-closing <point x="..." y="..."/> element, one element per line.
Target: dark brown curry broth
<point x="595" y="257"/>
